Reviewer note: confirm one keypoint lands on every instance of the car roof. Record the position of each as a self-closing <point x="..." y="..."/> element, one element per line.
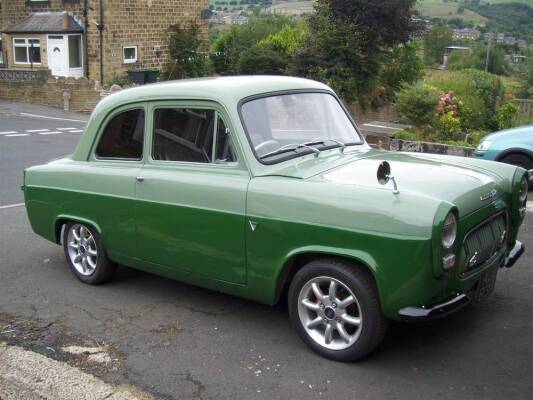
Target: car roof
<point x="223" y="89"/>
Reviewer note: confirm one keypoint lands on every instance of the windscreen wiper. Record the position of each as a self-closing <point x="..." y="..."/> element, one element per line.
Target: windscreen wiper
<point x="324" y="141"/>
<point x="292" y="147"/>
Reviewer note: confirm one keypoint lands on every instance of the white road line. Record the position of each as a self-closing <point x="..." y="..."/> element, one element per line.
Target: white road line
<point x="49" y="133"/>
<point x="12" y="206"/>
<point x="37" y="130"/>
<point x="76" y="131"/>
<point x="8" y="132"/>
<point x="55" y="118"/>
<point x="18" y="134"/>
<point x="529" y="206"/>
<point x="66" y="129"/>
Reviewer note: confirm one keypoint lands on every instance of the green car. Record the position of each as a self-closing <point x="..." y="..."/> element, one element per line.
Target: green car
<point x="264" y="188"/>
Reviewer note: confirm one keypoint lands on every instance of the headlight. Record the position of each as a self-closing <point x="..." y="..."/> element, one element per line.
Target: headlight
<point x="524" y="187"/>
<point x="449" y="231"/>
<point x="484" y="146"/>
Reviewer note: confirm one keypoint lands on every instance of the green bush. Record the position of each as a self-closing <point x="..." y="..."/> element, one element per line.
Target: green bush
<point x="417" y="104"/>
<point x="121" y="80"/>
<point x="406" y="135"/>
<point x="448" y="126"/>
<point x="507" y="115"/>
<point x="262" y="60"/>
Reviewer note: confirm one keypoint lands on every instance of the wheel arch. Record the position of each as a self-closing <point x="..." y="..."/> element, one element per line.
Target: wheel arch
<point x="62" y="220"/>
<point x="515" y="150"/>
<point x="298" y="258"/>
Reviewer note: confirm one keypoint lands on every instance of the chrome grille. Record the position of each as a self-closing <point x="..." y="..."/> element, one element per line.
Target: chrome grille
<point x="483" y="242"/>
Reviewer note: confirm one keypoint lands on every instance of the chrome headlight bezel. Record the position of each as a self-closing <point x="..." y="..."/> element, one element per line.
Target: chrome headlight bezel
<point x="449" y="231"/>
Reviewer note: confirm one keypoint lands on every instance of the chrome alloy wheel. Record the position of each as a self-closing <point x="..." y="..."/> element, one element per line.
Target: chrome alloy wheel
<point x="330" y="313"/>
<point x="82" y="249"/>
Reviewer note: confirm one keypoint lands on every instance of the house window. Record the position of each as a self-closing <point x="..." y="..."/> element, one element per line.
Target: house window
<point x="1" y="53"/>
<point x="129" y="54"/>
<point x="27" y="51"/>
<point x="74" y="51"/>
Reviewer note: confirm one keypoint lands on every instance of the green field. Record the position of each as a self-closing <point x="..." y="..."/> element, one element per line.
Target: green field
<point x="448" y="10"/>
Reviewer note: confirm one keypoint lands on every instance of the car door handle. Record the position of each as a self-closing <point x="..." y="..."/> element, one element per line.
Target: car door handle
<point x="140" y="178"/>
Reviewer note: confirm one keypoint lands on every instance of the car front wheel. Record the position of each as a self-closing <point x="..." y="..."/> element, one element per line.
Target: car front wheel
<point x="86" y="255"/>
<point x="334" y="306"/>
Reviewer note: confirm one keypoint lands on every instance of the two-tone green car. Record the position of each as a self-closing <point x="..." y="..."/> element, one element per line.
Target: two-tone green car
<point x="263" y="187"/>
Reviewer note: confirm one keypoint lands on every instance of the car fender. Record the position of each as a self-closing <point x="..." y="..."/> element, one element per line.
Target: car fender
<point x="515" y="150"/>
<point x="66" y="217"/>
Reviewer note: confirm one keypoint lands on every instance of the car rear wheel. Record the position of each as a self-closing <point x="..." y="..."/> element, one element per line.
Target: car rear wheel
<point x="334" y="306"/>
<point x="86" y="255"/>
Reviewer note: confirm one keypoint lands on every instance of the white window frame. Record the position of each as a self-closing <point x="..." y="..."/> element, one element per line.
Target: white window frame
<point x="130" y="60"/>
<point x="1" y="53"/>
<point x="27" y="46"/>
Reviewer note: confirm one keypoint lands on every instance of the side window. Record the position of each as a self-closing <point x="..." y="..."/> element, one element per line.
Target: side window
<point x="224" y="149"/>
<point x="123" y="136"/>
<point x="183" y="134"/>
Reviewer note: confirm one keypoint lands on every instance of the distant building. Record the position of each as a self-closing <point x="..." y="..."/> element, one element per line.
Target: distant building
<point x="228" y="18"/>
<point x="448" y="51"/>
<point x="466" y="34"/>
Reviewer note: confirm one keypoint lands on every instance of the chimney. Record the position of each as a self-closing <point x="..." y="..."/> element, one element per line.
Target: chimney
<point x="65" y="20"/>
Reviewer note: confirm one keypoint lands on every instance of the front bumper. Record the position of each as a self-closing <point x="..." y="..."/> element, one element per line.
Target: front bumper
<point x="425" y="313"/>
<point x="433" y="312"/>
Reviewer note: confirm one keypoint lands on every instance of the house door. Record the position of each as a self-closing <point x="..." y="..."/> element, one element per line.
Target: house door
<point x="56" y="54"/>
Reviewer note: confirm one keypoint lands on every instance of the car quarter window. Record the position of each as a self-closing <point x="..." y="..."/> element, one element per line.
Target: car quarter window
<point x="123" y="136"/>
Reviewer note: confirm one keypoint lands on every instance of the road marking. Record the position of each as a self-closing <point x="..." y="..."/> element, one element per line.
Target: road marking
<point x="66" y="129"/>
<point x="37" y="130"/>
<point x="18" y="134"/>
<point x="55" y="118"/>
<point x="8" y="132"/>
<point x="529" y="206"/>
<point x="12" y="206"/>
<point x="383" y="126"/>
<point x="76" y="131"/>
<point x="49" y="133"/>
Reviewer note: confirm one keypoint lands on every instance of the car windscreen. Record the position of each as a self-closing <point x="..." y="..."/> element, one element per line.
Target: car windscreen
<point x="279" y="123"/>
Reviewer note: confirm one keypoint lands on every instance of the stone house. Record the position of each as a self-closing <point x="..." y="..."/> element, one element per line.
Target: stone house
<point x="96" y="39"/>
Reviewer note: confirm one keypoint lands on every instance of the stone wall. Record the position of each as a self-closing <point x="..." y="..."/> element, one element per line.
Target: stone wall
<point x="70" y="94"/>
<point x="363" y="115"/>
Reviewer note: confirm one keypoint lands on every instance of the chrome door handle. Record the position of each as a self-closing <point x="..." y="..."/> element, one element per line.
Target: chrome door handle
<point x="140" y="178"/>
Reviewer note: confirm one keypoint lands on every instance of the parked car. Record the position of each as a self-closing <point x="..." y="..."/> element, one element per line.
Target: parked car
<point x="510" y="146"/>
<point x="263" y="187"/>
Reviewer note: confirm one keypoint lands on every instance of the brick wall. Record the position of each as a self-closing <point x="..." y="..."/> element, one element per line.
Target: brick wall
<point x="141" y="23"/>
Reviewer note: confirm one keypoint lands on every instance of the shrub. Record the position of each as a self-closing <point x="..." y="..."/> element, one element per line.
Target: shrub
<point x="448" y="125"/>
<point x="262" y="60"/>
<point x="406" y="135"/>
<point x="507" y="115"/>
<point x="187" y="58"/>
<point x="417" y="104"/>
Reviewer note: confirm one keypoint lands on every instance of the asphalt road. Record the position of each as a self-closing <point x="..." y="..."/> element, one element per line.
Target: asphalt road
<point x="181" y="342"/>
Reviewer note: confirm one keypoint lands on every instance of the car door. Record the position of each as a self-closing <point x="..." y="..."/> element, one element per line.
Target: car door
<point x="108" y="179"/>
<point x="191" y="193"/>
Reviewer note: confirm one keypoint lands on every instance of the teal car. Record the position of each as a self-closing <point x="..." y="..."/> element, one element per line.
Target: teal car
<point x="263" y="187"/>
<point x="510" y="146"/>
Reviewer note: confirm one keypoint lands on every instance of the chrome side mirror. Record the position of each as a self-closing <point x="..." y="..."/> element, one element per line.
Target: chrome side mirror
<point x="384" y="176"/>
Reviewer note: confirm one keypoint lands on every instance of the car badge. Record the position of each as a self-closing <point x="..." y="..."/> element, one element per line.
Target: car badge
<point x="489" y="195"/>
<point x="253" y="225"/>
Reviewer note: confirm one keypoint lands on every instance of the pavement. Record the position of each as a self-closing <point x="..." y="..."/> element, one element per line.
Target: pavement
<point x="175" y="341"/>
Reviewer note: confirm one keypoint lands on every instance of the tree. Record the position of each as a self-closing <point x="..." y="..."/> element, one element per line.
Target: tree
<point x="435" y="41"/>
<point x="349" y="41"/>
<point x="188" y="58"/>
<point x="477" y="59"/>
<point x="262" y="60"/>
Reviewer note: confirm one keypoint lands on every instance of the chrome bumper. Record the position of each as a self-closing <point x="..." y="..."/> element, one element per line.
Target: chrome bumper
<point x="515" y="253"/>
<point x="433" y="312"/>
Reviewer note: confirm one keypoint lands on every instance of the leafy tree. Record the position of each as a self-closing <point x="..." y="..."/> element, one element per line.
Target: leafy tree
<point x="287" y="40"/>
<point x="435" y="41"/>
<point x="477" y="58"/>
<point x="350" y="40"/>
<point x="262" y="60"/>
<point x="187" y="53"/>
<point x="230" y="45"/>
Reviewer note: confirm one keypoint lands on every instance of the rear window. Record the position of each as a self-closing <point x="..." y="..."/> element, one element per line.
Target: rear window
<point x="123" y="136"/>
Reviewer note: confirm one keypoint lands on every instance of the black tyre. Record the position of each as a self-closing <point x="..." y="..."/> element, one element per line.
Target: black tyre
<point x="334" y="306"/>
<point x="86" y="254"/>
<point x="520" y="160"/>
